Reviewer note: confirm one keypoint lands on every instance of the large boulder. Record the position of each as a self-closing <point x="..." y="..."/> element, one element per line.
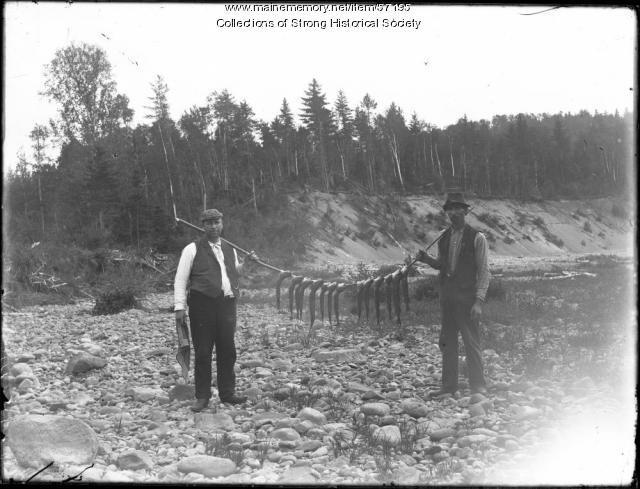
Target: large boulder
<point x="38" y="440"/>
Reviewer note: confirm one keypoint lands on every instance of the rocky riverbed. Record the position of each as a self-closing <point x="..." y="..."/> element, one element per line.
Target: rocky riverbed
<point x="102" y="397"/>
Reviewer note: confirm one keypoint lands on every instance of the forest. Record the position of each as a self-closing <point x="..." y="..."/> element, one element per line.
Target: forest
<point x="116" y="184"/>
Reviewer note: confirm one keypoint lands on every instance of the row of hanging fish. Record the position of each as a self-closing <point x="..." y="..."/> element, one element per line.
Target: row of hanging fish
<point x="394" y="287"/>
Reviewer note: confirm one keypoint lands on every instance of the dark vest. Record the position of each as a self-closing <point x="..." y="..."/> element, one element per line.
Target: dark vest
<point x="462" y="283"/>
<point x="205" y="273"/>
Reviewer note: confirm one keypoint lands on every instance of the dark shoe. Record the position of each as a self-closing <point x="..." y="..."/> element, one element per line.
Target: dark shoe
<point x="234" y="399"/>
<point x="479" y="390"/>
<point x="441" y="393"/>
<point x="199" y="405"/>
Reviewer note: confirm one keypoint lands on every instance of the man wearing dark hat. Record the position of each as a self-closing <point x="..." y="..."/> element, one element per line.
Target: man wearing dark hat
<point x="464" y="280"/>
<point x="211" y="268"/>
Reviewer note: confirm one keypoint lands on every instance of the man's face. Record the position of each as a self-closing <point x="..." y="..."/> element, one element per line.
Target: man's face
<point x="456" y="214"/>
<point x="212" y="229"/>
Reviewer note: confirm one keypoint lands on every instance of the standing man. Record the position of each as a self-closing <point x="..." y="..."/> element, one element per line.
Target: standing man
<point x="211" y="269"/>
<point x="464" y="280"/>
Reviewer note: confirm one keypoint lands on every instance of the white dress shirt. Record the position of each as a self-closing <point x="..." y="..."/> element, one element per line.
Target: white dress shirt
<point x="184" y="271"/>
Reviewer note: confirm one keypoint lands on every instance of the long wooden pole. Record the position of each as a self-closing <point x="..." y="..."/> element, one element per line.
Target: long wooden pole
<point x="193" y="226"/>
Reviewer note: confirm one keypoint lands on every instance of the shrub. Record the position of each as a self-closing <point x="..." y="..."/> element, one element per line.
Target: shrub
<point x="115" y="300"/>
<point x="496" y="290"/>
<point x="426" y="289"/>
<point x="587" y="227"/>
<point x="508" y="240"/>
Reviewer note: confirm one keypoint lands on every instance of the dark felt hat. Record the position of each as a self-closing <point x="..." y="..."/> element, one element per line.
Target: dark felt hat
<point x="455" y="199"/>
<point x="211" y="215"/>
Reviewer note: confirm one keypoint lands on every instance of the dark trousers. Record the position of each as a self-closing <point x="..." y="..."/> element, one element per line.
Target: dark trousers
<point x="456" y="318"/>
<point x="213" y="321"/>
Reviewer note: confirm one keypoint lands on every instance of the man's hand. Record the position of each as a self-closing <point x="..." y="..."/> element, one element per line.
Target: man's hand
<point x="423" y="256"/>
<point x="252" y="256"/>
<point x="180" y="316"/>
<point x="476" y="310"/>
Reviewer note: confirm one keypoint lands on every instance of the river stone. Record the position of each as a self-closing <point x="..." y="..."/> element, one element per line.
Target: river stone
<point x="477" y="397"/>
<point x="442" y="433"/>
<point x="21" y="370"/>
<point x="281" y="364"/>
<point x="312" y="415"/>
<point x="182" y="392"/>
<point x="207" y="465"/>
<point x="391" y="433"/>
<point x="38" y="440"/>
<point x="214" y="421"/>
<point x="83" y="362"/>
<point x="286" y="422"/>
<point x="375" y="409"/>
<point x="476" y="410"/>
<point x="285" y="434"/>
<point x="525" y="412"/>
<point x="298" y="475"/>
<point x="342" y="355"/>
<point x="143" y="394"/>
<point x="252" y="393"/>
<point x="252" y="363"/>
<point x="409" y="476"/>
<point x="269" y="417"/>
<point x="310" y="445"/>
<point x="414" y="408"/>
<point x="134" y="460"/>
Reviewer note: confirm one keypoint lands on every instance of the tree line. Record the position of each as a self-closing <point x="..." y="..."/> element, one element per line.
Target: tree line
<point x="115" y="183"/>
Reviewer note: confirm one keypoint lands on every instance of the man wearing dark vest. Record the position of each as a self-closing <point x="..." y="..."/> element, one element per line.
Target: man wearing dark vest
<point x="211" y="269"/>
<point x="464" y="280"/>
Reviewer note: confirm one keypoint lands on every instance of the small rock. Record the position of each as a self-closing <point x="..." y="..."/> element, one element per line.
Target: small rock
<point x="285" y="434"/>
<point x="312" y="415"/>
<point x="298" y="475"/>
<point x="207" y="465"/>
<point x="182" y="392"/>
<point x="476" y="410"/>
<point x="389" y="433"/>
<point x="83" y="362"/>
<point x="214" y="421"/>
<point x="442" y="433"/>
<point x="375" y="409"/>
<point x="336" y="355"/>
<point x="134" y="460"/>
<point x="414" y="408"/>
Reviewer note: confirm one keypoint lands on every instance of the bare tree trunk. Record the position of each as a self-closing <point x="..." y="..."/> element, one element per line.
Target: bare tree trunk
<point x="393" y="143"/>
<point x="438" y="159"/>
<point x="41" y="204"/>
<point x="255" y="200"/>
<point x="453" y="169"/>
<point x="344" y="172"/>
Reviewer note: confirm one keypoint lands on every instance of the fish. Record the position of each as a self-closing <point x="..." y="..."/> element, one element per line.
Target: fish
<point x="300" y="296"/>
<point x="315" y="285"/>
<point x="295" y="280"/>
<point x="283" y="275"/>
<point x="377" y="284"/>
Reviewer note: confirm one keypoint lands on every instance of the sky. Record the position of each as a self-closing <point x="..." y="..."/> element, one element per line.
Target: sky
<point x="441" y="62"/>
